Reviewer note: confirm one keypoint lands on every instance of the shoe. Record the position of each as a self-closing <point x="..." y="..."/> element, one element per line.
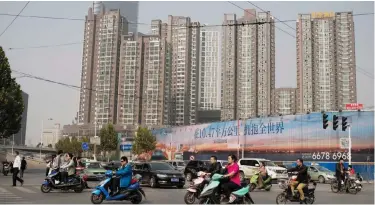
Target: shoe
<point x="22" y="183"/>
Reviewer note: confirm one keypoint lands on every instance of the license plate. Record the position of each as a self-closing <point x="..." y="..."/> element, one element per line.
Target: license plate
<point x="175" y="180"/>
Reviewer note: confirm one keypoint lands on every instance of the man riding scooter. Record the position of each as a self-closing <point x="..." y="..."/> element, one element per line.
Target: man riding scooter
<point x="123" y="180"/>
<point x="302" y="179"/>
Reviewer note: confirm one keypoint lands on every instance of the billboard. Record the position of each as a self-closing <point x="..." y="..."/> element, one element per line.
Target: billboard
<point x="283" y="138"/>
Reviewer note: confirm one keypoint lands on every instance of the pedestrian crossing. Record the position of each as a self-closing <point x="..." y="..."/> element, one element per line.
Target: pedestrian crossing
<point x="7" y="197"/>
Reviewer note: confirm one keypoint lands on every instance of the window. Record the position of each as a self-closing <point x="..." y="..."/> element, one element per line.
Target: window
<point x="248" y="162"/>
<point x="138" y="166"/>
<point x="161" y="166"/>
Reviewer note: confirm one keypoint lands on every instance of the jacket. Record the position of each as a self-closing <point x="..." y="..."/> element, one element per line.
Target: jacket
<point x="125" y="172"/>
<point x="17" y="162"/>
<point x="302" y="176"/>
<point x="338" y="169"/>
<point x="70" y="167"/>
<point x="23" y="164"/>
<point x="215" y="168"/>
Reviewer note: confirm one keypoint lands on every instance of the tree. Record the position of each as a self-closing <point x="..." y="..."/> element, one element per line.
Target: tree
<point x="144" y="141"/>
<point x="49" y="145"/>
<point x="108" y="138"/>
<point x="11" y="102"/>
<point x="68" y="145"/>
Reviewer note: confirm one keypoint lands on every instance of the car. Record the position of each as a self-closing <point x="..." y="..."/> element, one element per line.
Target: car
<point x="250" y="166"/>
<point x="193" y="167"/>
<point x="94" y="170"/>
<point x="321" y="174"/>
<point x="159" y="173"/>
<point x="178" y="164"/>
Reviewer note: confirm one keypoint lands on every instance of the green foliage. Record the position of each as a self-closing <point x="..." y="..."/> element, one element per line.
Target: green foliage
<point x="11" y="102"/>
<point x="108" y="138"/>
<point x="144" y="141"/>
<point x="73" y="146"/>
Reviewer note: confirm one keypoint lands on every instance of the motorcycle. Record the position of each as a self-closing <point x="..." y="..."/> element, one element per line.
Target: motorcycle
<point x="267" y="184"/>
<point x="196" y="188"/>
<point x="287" y="195"/>
<point x="6" y="169"/>
<point x="350" y="186"/>
<point x="133" y="193"/>
<point x="75" y="183"/>
<point x="209" y="194"/>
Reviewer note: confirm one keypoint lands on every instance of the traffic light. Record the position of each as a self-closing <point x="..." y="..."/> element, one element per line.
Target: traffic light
<point x="344" y="123"/>
<point x="325" y="121"/>
<point x="335" y="122"/>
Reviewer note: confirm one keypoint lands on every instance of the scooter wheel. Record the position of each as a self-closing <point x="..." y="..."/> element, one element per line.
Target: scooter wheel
<point x="189" y="198"/>
<point x="281" y="199"/>
<point x="97" y="199"/>
<point x="136" y="199"/>
<point x="45" y="188"/>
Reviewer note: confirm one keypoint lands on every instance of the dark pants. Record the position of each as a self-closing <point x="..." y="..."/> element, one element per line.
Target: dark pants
<point x="15" y="177"/>
<point x="229" y="187"/>
<point x="21" y="172"/>
<point x="47" y="171"/>
<point x="339" y="178"/>
<point x="114" y="185"/>
<point x="64" y="177"/>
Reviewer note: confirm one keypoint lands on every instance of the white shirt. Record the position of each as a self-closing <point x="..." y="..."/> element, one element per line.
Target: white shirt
<point x="17" y="162"/>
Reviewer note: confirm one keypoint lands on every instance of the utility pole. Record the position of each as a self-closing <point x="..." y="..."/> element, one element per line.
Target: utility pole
<point x="350" y="145"/>
<point x="13" y="144"/>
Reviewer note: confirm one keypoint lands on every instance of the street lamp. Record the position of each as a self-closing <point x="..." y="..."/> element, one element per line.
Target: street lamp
<point x="41" y="139"/>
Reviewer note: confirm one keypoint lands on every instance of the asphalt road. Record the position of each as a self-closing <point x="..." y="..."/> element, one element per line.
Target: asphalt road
<point x="30" y="193"/>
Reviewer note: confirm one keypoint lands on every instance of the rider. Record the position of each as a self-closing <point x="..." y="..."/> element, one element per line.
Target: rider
<point x="215" y="167"/>
<point x="302" y="179"/>
<point x="340" y="170"/>
<point x="263" y="175"/>
<point x="233" y="183"/>
<point x="125" y="173"/>
<point x="69" y="166"/>
<point x="5" y="163"/>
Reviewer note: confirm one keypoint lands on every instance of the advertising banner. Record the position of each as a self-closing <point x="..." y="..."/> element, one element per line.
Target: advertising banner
<point x="283" y="138"/>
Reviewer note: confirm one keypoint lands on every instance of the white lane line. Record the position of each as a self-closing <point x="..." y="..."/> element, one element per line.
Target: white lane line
<point x="25" y="190"/>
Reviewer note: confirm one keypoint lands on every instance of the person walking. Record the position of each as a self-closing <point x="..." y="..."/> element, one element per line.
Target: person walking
<point x="23" y="167"/>
<point x="16" y="169"/>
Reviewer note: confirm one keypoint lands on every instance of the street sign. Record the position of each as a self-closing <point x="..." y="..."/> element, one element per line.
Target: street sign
<point x="85" y="146"/>
<point x="126" y="147"/>
<point x="344" y="143"/>
<point x="95" y="140"/>
<point x="354" y="106"/>
<point x="191" y="157"/>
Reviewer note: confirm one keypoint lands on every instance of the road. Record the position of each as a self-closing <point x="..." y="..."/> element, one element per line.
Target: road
<point x="30" y="193"/>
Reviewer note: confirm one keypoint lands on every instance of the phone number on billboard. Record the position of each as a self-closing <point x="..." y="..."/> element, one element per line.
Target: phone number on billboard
<point x="326" y="156"/>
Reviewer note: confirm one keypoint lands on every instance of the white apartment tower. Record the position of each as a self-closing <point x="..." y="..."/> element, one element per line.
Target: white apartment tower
<point x="326" y="77"/>
<point x="209" y="69"/>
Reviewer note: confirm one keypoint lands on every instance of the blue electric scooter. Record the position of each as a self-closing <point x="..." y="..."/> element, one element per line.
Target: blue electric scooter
<point x="133" y="193"/>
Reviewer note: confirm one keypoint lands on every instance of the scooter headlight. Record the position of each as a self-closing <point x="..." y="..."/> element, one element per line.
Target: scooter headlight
<point x="232" y="198"/>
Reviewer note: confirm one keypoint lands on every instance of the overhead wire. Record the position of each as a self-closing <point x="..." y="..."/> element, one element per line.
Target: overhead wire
<point x="286" y="32"/>
<point x="2" y="33"/>
<point x="79" y="88"/>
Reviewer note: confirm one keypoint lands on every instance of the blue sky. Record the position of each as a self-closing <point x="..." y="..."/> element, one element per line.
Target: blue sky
<point x="64" y="63"/>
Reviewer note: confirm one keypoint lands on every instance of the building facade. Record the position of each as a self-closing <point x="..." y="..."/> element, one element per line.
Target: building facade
<point x="128" y="10"/>
<point x="100" y="67"/>
<point x="209" y="69"/>
<point x="248" y="66"/>
<point x="19" y="138"/>
<point x="51" y="136"/>
<point x="285" y="101"/>
<point x="326" y="69"/>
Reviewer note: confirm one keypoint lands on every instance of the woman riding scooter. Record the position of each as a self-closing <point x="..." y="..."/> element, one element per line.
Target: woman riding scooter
<point x="231" y="181"/>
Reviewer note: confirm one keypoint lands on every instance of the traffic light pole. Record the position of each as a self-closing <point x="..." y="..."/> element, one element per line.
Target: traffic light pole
<point x="350" y="145"/>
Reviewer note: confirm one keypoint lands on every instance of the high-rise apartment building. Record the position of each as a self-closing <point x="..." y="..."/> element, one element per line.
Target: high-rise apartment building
<point x="100" y="67"/>
<point x="19" y="138"/>
<point x="326" y="77"/>
<point x="141" y="80"/>
<point x="128" y="10"/>
<point x="248" y="65"/>
<point x="285" y="101"/>
<point x="209" y="69"/>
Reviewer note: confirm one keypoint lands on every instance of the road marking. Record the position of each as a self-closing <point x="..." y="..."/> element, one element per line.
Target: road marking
<point x="25" y="190"/>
